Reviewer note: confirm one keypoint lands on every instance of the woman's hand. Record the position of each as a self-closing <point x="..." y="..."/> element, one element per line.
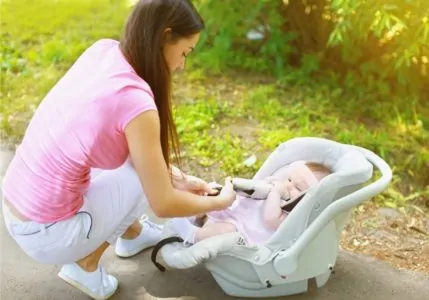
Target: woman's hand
<point x="190" y="183"/>
<point x="227" y="195"/>
<point x="197" y="186"/>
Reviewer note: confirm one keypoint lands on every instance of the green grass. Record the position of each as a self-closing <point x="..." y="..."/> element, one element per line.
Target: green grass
<point x="277" y="114"/>
<point x="221" y="119"/>
<point x="40" y="40"/>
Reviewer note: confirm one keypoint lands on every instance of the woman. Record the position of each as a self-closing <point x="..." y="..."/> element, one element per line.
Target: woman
<point x="111" y="111"/>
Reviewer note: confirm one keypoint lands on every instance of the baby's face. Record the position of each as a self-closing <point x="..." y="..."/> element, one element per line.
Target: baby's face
<point x="296" y="179"/>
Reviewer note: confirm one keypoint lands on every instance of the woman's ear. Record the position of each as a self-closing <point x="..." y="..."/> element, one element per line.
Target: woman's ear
<point x="168" y="35"/>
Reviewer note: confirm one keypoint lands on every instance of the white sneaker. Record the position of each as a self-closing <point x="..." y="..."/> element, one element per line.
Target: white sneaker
<point x="98" y="285"/>
<point x="149" y="237"/>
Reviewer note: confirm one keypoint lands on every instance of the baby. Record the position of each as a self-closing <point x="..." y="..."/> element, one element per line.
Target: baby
<point x="256" y="219"/>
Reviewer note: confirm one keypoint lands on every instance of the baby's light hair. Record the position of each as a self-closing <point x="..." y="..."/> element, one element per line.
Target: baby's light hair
<point x="319" y="170"/>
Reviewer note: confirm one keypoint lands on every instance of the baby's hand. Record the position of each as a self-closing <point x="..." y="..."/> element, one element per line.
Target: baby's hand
<point x="270" y="179"/>
<point x="280" y="188"/>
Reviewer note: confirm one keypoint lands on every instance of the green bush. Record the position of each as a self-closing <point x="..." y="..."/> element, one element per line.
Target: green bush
<point x="376" y="48"/>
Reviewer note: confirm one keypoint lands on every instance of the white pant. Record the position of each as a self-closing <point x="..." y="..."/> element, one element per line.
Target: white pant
<point x="114" y="200"/>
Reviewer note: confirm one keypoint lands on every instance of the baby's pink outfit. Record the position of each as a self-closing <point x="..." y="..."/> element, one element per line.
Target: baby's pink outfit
<point x="246" y="214"/>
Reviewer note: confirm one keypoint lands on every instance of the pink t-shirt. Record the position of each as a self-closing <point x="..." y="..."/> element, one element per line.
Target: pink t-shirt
<point x="79" y="125"/>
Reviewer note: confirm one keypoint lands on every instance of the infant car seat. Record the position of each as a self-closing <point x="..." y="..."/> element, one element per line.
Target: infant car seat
<point x="305" y="246"/>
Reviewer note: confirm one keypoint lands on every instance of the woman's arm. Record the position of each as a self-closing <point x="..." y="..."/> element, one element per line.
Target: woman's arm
<point x="273" y="213"/>
<point x="143" y="137"/>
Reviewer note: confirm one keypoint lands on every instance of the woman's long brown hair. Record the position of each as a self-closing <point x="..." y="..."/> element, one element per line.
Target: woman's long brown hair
<point x="142" y="44"/>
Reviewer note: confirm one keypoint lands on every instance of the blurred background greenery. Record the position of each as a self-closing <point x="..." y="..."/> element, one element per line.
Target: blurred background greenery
<point x="264" y="71"/>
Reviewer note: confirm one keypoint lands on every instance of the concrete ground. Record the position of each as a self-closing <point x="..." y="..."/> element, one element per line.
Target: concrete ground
<point x="356" y="277"/>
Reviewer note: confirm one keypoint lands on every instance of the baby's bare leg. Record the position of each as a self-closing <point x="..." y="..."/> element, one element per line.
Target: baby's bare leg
<point x="192" y="234"/>
<point x="212" y="229"/>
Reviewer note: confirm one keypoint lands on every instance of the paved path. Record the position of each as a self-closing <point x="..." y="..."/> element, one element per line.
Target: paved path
<point x="356" y="278"/>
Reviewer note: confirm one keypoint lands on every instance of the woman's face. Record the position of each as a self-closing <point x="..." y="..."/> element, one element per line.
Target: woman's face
<point x="175" y="53"/>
